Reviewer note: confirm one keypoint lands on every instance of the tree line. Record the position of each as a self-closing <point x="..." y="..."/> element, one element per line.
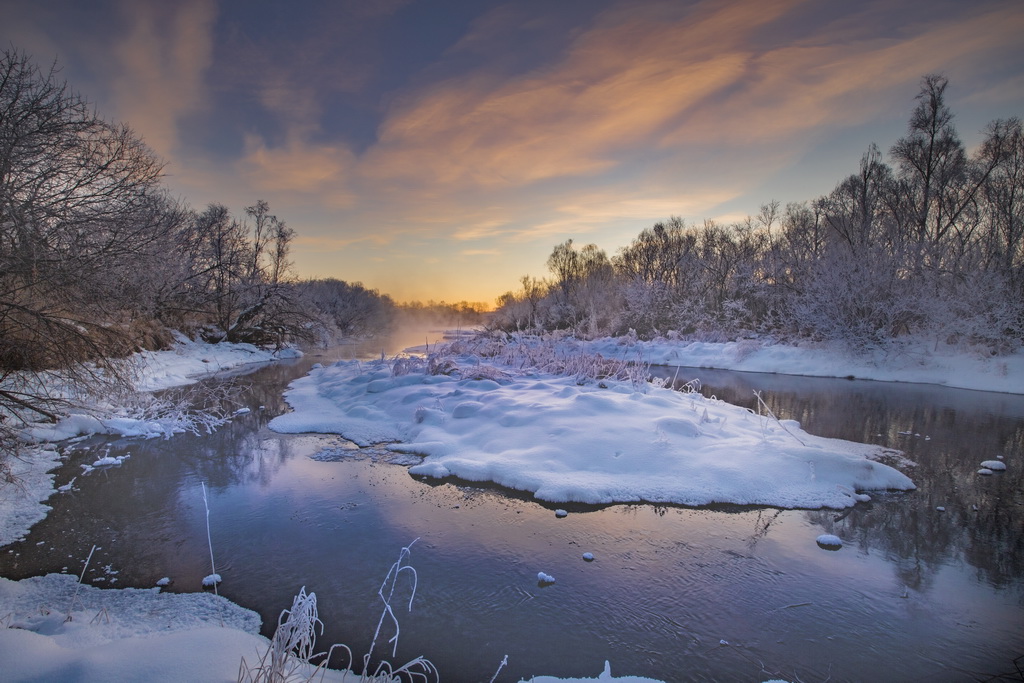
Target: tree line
<point x="927" y="243"/>
<point x="97" y="259"/>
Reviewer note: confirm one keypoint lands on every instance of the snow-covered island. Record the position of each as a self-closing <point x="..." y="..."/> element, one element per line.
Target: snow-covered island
<point x="597" y="441"/>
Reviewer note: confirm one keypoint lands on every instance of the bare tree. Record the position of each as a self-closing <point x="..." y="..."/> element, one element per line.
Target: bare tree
<point x="79" y="199"/>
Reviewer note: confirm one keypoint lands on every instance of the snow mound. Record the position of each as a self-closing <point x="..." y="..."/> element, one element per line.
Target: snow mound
<point x="211" y="580"/>
<point x="128" y="609"/>
<point x="606" y="675"/>
<point x="545" y="578"/>
<point x="120" y="635"/>
<point x="994" y="465"/>
<point x="829" y="541"/>
<point x="592" y="443"/>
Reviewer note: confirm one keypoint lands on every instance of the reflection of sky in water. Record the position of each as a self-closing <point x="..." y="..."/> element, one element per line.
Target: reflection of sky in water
<point x="914" y="593"/>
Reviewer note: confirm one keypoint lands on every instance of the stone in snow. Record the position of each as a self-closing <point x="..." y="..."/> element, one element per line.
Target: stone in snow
<point x="994" y="465"/>
<point x="984" y="470"/>
<point x="830" y="542"/>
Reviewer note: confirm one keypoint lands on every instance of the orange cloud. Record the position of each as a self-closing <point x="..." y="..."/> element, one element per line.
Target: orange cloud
<point x="162" y="61"/>
<point x="833" y="79"/>
<point x="299" y="166"/>
<point x="621" y="84"/>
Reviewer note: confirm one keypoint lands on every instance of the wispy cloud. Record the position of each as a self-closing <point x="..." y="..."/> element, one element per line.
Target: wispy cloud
<point x="162" y="60"/>
<point x="299" y="166"/>
<point x="534" y="123"/>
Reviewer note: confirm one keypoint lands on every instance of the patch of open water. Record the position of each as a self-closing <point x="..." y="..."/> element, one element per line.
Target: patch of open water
<point x="720" y="593"/>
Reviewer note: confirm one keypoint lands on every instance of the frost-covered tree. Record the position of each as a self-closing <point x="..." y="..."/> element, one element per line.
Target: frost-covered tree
<point x="80" y="202"/>
<point x="347" y="308"/>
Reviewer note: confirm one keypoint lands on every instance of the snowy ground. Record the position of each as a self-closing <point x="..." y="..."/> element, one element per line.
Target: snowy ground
<point x="568" y="440"/>
<point x="191" y="360"/>
<point x="923" y="363"/>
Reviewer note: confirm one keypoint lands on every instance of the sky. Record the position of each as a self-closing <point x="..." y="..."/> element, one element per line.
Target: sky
<point x="439" y="150"/>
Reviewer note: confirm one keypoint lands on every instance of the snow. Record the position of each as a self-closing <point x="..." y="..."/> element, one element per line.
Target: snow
<point x="22" y="505"/>
<point x="994" y="465"/>
<point x="109" y="461"/>
<point x="926" y="364"/>
<point x="211" y="580"/>
<point x="606" y="675"/>
<point x="829" y="541"/>
<point x="596" y="442"/>
<point x="127" y="634"/>
<point x="188" y="361"/>
<point x="58" y="630"/>
<point x="589" y="557"/>
<point x="545" y="578"/>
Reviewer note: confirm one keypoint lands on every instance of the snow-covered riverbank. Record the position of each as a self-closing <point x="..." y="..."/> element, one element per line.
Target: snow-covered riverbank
<point x="54" y="629"/>
<point x="923" y="363"/>
<point x="187" y="362"/>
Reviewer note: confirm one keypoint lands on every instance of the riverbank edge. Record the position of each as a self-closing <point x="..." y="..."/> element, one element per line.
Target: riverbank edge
<point x="919" y="363"/>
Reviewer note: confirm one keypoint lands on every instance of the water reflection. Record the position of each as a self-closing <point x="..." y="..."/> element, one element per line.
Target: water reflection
<point x="915" y="594"/>
<point x="947" y="433"/>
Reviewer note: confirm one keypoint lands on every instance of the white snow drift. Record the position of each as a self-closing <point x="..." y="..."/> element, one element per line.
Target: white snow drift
<point x="600" y="442"/>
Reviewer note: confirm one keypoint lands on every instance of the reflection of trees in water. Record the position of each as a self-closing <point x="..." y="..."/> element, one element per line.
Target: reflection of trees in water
<point x="950" y="433"/>
<point x="139" y="509"/>
<point x="762" y="524"/>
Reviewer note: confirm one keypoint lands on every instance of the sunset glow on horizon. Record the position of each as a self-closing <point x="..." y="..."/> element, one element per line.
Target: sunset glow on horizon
<point x="439" y="150"/>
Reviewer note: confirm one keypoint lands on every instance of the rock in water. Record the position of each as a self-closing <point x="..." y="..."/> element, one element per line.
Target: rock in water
<point x="830" y="542"/>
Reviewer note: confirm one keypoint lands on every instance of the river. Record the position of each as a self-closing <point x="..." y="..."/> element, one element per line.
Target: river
<point x="716" y="593"/>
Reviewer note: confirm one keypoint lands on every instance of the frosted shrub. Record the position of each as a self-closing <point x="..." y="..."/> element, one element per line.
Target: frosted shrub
<point x="291" y="654"/>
